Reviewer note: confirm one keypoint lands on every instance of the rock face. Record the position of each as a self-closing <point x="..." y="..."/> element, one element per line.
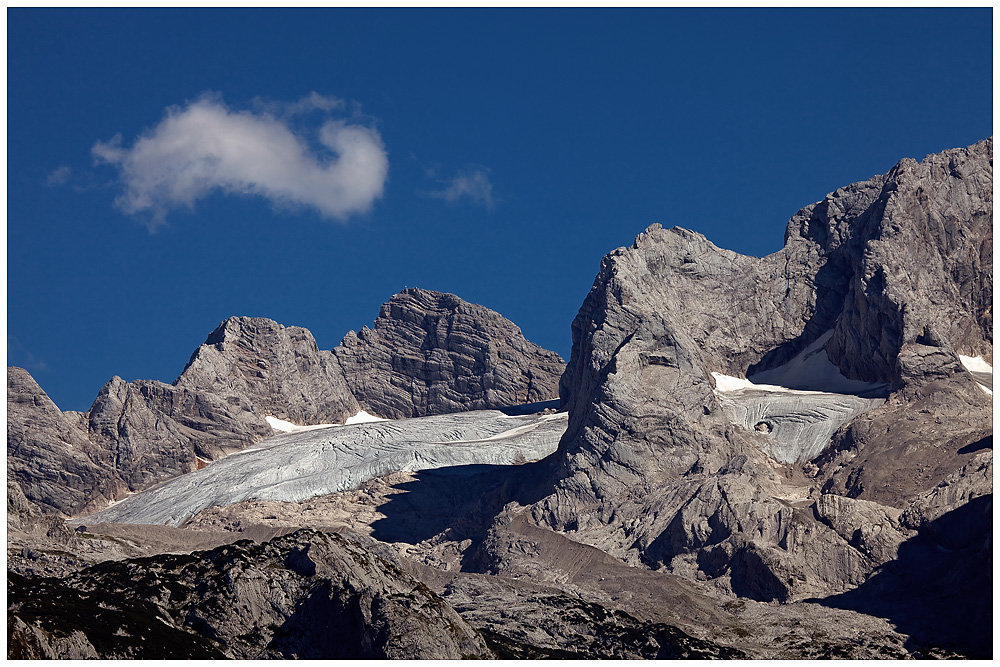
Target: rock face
<point x="431" y="353"/>
<point x="447" y="356"/>
<point x="305" y="595"/>
<point x="257" y="364"/>
<point x="895" y="273"/>
<point x="49" y="455"/>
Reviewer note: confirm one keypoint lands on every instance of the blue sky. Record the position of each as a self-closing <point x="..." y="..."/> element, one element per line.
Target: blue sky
<point x="168" y="169"/>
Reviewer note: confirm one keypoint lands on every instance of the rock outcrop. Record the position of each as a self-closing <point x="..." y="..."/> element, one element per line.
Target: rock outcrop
<point x="431" y="353"/>
<point x="445" y="356"/>
<point x="262" y="367"/>
<point x="894" y="273"/>
<point x="50" y="456"/>
<point x="306" y="595"/>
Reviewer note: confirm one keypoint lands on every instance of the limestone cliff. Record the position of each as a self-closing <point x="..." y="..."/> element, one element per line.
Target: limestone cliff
<point x="431" y="353"/>
<point x="884" y="285"/>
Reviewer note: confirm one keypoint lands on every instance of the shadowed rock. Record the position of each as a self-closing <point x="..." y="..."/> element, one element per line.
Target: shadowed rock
<point x="306" y="595"/>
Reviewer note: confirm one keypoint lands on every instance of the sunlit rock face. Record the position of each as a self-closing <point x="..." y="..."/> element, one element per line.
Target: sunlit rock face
<point x="432" y="353"/>
<point x="886" y="282"/>
<point x="273" y="370"/>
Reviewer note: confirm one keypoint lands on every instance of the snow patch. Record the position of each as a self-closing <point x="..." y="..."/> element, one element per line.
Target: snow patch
<point x="363" y="418"/>
<point x="975" y="364"/>
<point x="812" y="370"/>
<point x="282" y="426"/>
<point x="979" y="368"/>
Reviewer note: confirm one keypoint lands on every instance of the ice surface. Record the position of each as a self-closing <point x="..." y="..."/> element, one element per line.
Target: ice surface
<point x="981" y="370"/>
<point x="795" y="409"/>
<point x="308" y="462"/>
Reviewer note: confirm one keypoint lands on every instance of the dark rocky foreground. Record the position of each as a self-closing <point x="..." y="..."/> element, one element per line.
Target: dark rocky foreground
<point x="670" y="522"/>
<point x="306" y="595"/>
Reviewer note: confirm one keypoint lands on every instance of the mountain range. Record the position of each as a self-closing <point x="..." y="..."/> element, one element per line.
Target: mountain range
<point x="777" y="457"/>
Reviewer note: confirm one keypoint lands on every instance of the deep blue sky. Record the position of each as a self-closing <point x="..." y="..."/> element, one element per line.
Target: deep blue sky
<point x="586" y="126"/>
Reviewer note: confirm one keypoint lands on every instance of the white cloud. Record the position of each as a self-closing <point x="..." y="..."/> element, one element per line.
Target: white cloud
<point x="205" y="146"/>
<point x="58" y="176"/>
<point x="472" y="183"/>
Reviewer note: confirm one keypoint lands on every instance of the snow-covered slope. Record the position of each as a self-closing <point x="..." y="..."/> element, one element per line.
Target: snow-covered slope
<point x="302" y="464"/>
<point x="796" y="407"/>
<point x="981" y="370"/>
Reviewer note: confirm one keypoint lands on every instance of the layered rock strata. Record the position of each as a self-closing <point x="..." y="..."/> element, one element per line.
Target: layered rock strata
<point x="271" y="370"/>
<point x="895" y="273"/>
<point x="431" y="353"/>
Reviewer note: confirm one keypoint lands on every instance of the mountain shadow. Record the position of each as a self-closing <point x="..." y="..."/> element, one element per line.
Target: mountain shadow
<point x="939" y="590"/>
<point x="459" y="500"/>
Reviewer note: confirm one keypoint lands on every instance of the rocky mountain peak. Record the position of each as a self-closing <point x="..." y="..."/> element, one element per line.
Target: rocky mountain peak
<point x="431" y="353"/>
<point x="278" y="370"/>
<point x="670" y="454"/>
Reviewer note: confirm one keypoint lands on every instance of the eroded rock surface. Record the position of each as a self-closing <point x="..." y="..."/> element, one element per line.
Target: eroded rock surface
<point x="890" y="280"/>
<point x="271" y="370"/>
<point x="306" y="595"/>
<point x="431" y="353"/>
<point x="50" y="456"/>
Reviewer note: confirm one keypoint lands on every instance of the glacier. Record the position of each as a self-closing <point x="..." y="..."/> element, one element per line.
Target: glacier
<point x="309" y="462"/>
<point x="794" y="409"/>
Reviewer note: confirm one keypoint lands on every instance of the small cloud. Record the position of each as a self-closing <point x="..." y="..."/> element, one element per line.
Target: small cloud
<point x="471" y="183"/>
<point x="19" y="355"/>
<point x="205" y="146"/>
<point x="58" y="176"/>
<point x="309" y="103"/>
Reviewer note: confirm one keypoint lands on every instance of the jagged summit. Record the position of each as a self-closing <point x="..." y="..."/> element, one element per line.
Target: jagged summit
<point x="887" y="282"/>
<point x="431" y="353"/>
<point x="279" y="370"/>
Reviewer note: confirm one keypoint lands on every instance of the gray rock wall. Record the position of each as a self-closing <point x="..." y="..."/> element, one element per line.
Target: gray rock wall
<point x="654" y="470"/>
<point x="271" y="369"/>
<point x="431" y="353"/>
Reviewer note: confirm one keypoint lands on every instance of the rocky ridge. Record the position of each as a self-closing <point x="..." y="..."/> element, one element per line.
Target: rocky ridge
<point x="654" y="470"/>
<point x="431" y="353"/>
<point x="139" y="434"/>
